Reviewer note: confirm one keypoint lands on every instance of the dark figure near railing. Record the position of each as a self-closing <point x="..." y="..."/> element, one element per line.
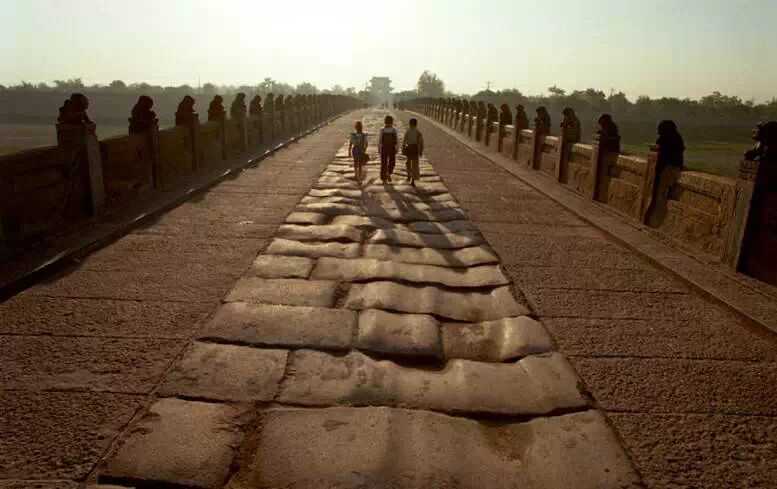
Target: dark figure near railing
<point x="521" y="119"/>
<point x="542" y="121"/>
<point x="143" y="118"/>
<point x="238" y="108"/>
<point x="571" y="126"/>
<point x="765" y="137"/>
<point x="505" y="116"/>
<point x="255" y="108"/>
<point x="185" y="112"/>
<point x="609" y="135"/>
<point x="216" y="110"/>
<point x="73" y="110"/>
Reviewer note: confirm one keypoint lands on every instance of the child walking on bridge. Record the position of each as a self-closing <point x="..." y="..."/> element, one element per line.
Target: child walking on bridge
<point x="357" y="147"/>
<point x="413" y="148"/>
<point x="388" y="140"/>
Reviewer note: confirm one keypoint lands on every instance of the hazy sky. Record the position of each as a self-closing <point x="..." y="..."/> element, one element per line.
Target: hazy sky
<point x="655" y="47"/>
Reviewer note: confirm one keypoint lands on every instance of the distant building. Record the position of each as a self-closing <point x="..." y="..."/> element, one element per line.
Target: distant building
<point x="380" y="90"/>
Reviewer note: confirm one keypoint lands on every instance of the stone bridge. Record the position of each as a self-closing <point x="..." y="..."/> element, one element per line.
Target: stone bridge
<point x="224" y="305"/>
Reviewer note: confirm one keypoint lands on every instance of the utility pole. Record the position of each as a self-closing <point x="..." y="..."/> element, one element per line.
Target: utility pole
<point x="488" y="86"/>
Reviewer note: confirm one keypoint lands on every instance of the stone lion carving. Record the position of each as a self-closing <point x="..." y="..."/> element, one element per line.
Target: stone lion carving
<point x="505" y="116"/>
<point x="238" y="108"/>
<point x="255" y="107"/>
<point x="73" y="110"/>
<point x="765" y="137"/>
<point x="542" y="121"/>
<point x="143" y="118"/>
<point x="185" y="112"/>
<point x="609" y="135"/>
<point x="216" y="110"/>
<point x="570" y="124"/>
<point x="521" y="118"/>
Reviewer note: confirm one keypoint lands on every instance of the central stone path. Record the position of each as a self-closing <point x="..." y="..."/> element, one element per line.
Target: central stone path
<point x="376" y="342"/>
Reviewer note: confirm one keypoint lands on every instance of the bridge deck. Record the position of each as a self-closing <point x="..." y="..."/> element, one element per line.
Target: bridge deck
<point x="382" y="335"/>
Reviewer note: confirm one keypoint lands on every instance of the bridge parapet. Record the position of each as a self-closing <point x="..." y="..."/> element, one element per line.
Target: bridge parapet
<point x="732" y="221"/>
<point x="43" y="190"/>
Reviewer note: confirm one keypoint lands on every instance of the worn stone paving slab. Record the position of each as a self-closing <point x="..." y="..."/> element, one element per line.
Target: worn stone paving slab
<point x="36" y="315"/>
<point x="291" y="292"/>
<point x="399" y="334"/>
<point x="534" y="385"/>
<point x="307" y="218"/>
<point x="282" y="326"/>
<point x="328" y="200"/>
<point x="408" y="214"/>
<point x="128" y="365"/>
<point x="332" y="209"/>
<point x="59" y="435"/>
<point x="351" y="448"/>
<point x="465" y="257"/>
<point x="226" y="373"/>
<point x="313" y="250"/>
<point x="361" y="269"/>
<point x="496" y="341"/>
<point x="327" y="232"/>
<point x="364" y="222"/>
<point x="279" y="266"/>
<point x="346" y="185"/>
<point x="463" y="306"/>
<point x="180" y="442"/>
<point x="337" y="192"/>
<point x="448" y="241"/>
<point x="442" y="228"/>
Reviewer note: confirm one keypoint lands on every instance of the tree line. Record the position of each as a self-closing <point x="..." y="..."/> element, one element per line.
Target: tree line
<point x="713" y="108"/>
<point x="267" y="85"/>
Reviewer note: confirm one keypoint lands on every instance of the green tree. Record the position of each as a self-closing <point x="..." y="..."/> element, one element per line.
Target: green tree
<point x="430" y="86"/>
<point x="209" y="89"/>
<point x="267" y="85"/>
<point x="305" y="88"/>
<point x="118" y="86"/>
<point x="555" y="91"/>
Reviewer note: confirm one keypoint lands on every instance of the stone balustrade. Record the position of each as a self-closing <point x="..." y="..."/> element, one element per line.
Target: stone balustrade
<point x="732" y="221"/>
<point x="42" y="190"/>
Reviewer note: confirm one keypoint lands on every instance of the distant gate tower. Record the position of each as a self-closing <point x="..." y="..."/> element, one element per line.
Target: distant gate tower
<point x="380" y="90"/>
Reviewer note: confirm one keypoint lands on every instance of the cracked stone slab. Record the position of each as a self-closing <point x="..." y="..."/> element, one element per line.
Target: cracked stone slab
<point x="279" y="266"/>
<point x="410" y="198"/>
<point x="449" y="241"/>
<point x="332" y="209"/>
<point x="361" y="269"/>
<point x="336" y="192"/>
<point x="346" y="185"/>
<point x="187" y="443"/>
<point x="420" y="189"/>
<point x="399" y="334"/>
<point x="326" y="232"/>
<point x="312" y="250"/>
<point x="307" y="218"/>
<point x="429" y="227"/>
<point x="328" y="200"/>
<point x="226" y="373"/>
<point x="290" y="292"/>
<point x="409" y="215"/>
<point x="364" y="222"/>
<point x="465" y="257"/>
<point x="282" y="326"/>
<point x="496" y="341"/>
<point x="464" y="306"/>
<point x="535" y="385"/>
<point x="356" y="448"/>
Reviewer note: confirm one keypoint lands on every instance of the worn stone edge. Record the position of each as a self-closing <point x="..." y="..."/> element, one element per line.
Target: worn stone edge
<point x="701" y="277"/>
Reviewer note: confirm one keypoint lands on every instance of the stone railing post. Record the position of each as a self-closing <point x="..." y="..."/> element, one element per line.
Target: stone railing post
<point x="82" y="138"/>
<point x="649" y="182"/>
<point x="737" y="231"/>
<point x="538" y="139"/>
<point x="563" y="151"/>
<point x="518" y="127"/>
<point x="601" y="146"/>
